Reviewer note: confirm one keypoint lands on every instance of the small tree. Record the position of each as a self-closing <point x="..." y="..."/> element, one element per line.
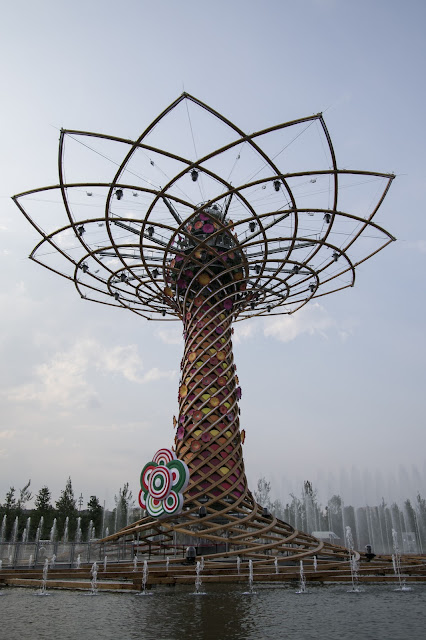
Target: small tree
<point x="42" y="501"/>
<point x="9" y="509"/>
<point x="310" y="507"/>
<point x="263" y="493"/>
<point x="278" y="509"/>
<point x="421" y="519"/>
<point x="25" y="496"/>
<point x="296" y="512"/>
<point x="43" y="509"/>
<point x="94" y="513"/>
<point x="66" y="507"/>
<point x="10" y="502"/>
<point x="123" y="503"/>
<point x="335" y="516"/>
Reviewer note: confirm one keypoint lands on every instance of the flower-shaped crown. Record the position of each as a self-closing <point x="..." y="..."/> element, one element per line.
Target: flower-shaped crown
<point x="276" y="226"/>
<point x="163" y="481"/>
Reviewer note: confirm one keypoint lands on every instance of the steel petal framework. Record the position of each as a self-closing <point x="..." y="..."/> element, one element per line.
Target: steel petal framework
<point x="235" y="230"/>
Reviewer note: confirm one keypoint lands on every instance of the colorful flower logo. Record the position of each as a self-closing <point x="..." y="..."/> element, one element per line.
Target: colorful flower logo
<point x="163" y="481"/>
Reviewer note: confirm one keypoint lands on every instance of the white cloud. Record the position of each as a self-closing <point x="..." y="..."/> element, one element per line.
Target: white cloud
<point x="123" y="360"/>
<point x="170" y="336"/>
<point x="244" y="330"/>
<point x="310" y="319"/>
<point x="156" y="374"/>
<point x="64" y="380"/>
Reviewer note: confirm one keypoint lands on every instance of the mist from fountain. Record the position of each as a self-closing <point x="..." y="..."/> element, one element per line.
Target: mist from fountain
<point x="78" y="534"/>
<point x="105" y="562"/>
<point x="26" y="531"/>
<point x="15" y="531"/>
<point x="52" y="535"/>
<point x="198" y="581"/>
<point x="353" y="564"/>
<point x="396" y="561"/>
<point x="302" y="579"/>
<point x="238" y="564"/>
<point x="167" y="563"/>
<point x="404" y="509"/>
<point x="145" y="574"/>
<point x="276" y="564"/>
<point x="43" y="587"/>
<point x="103" y="522"/>
<point x="78" y="562"/>
<point x="52" y="561"/>
<point x="94" y="580"/>
<point x="3" y="529"/>
<point x="251" y="590"/>
<point x="65" y="539"/>
<point x="39" y="531"/>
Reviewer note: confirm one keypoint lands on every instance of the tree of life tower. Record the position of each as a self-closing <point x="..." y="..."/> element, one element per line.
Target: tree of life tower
<point x="209" y="234"/>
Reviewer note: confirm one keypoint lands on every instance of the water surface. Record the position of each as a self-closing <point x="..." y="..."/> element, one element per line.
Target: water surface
<point x="224" y="613"/>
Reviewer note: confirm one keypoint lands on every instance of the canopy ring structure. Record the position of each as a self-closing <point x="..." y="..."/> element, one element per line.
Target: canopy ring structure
<point x="198" y="222"/>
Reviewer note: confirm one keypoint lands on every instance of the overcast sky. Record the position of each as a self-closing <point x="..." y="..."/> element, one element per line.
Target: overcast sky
<point x="334" y="394"/>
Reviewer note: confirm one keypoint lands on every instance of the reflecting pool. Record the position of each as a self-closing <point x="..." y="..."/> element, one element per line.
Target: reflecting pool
<point x="223" y="613"/>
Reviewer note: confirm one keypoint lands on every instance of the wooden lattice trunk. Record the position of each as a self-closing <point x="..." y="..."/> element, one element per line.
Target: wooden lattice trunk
<point x="208" y="436"/>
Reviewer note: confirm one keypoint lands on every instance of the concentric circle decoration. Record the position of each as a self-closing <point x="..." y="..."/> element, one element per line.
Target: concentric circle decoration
<point x="163" y="456"/>
<point x="160" y="482"/>
<point x="146" y="472"/>
<point x="141" y="499"/>
<point x="180" y="475"/>
<point x="154" y="507"/>
<point x="173" y="503"/>
<point x="163" y="480"/>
